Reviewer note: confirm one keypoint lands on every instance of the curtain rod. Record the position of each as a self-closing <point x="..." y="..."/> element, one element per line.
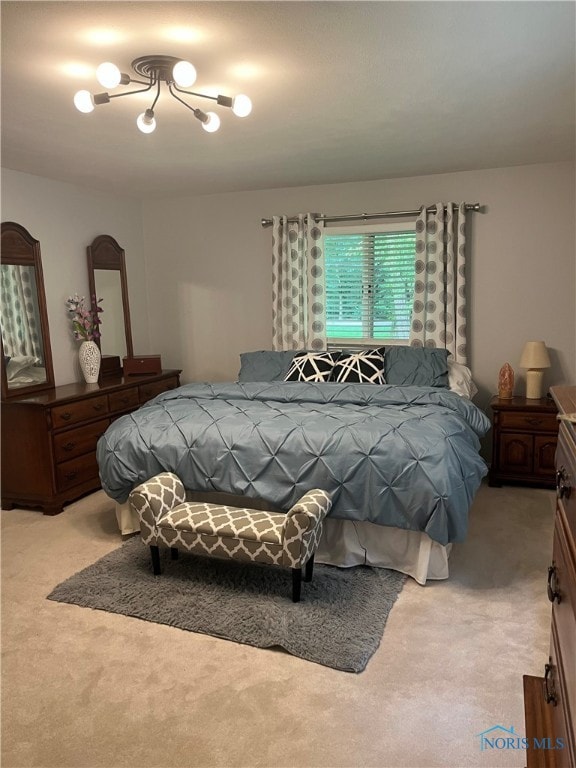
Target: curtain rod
<point x="365" y="216"/>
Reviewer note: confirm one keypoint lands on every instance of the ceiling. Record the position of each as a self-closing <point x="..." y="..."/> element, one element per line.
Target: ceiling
<point x="342" y="91"/>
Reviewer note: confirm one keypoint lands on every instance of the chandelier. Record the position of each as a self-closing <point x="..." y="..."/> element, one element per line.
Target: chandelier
<point x="176" y="74"/>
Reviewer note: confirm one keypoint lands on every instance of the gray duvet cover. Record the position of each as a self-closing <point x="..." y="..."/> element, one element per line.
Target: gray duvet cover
<point x="397" y="456"/>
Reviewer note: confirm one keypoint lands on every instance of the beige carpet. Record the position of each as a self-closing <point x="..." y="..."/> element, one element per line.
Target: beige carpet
<point x="83" y="688"/>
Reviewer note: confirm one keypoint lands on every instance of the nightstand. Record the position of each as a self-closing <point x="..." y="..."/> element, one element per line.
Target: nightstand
<point x="524" y="439"/>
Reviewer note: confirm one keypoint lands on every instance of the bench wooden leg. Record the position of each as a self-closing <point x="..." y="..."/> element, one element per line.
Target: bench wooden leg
<point x="174" y="553"/>
<point x="309" y="569"/>
<point x="296" y="584"/>
<point x="155" y="552"/>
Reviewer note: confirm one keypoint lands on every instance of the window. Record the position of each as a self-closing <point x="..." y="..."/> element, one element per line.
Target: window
<point x="369" y="283"/>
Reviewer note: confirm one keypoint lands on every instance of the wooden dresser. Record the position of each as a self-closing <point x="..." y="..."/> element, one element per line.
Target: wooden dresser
<point x="550" y="701"/>
<point x="49" y="440"/>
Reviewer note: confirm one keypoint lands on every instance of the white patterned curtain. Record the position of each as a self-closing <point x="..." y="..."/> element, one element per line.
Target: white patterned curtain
<point x="20" y="326"/>
<point x="439" y="311"/>
<point x="298" y="284"/>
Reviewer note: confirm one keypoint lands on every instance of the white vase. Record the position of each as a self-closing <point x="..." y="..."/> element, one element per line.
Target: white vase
<point x="89" y="357"/>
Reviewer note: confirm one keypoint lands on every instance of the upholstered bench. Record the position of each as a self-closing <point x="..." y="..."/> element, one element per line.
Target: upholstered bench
<point x="275" y="538"/>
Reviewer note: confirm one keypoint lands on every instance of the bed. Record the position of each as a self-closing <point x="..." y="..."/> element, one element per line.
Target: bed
<point x="401" y="460"/>
<point x="24" y="370"/>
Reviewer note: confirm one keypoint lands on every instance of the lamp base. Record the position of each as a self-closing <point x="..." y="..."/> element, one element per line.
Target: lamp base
<point x="534" y="378"/>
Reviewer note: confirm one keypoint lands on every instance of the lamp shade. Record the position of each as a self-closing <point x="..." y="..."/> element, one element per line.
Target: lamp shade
<point x="535" y="355"/>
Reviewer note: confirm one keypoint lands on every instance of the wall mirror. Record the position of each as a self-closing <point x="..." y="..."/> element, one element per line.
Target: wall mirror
<point x="25" y="335"/>
<point x="107" y="280"/>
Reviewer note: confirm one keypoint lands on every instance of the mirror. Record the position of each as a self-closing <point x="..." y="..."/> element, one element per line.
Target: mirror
<point x="25" y="336"/>
<point x="108" y="282"/>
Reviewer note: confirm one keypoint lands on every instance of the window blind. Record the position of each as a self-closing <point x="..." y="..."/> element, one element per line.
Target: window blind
<point x="369" y="285"/>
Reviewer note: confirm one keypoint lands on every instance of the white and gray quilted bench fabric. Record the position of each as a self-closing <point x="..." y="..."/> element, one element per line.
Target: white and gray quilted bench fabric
<point x="240" y="533"/>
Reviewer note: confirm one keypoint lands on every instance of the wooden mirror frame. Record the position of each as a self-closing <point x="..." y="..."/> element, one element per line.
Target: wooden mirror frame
<point x="19" y="247"/>
<point x="105" y="253"/>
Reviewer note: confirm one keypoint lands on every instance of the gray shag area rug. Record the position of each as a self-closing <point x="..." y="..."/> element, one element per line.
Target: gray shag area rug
<point x="338" y="623"/>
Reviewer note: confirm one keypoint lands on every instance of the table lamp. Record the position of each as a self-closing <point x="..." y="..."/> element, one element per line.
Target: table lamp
<point x="535" y="359"/>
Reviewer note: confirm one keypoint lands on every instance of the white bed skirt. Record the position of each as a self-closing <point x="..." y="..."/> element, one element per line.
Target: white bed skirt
<point x="346" y="543"/>
<point x="127" y="518"/>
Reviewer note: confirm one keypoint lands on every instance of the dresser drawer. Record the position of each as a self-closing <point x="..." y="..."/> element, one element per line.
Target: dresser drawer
<point x="534" y="422"/>
<point x="77" y="471"/>
<point x="148" y="391"/>
<point x="555" y="684"/>
<point x="126" y="399"/>
<point x="52" y="437"/>
<point x="566" y="477"/>
<point x="75" y="442"/>
<point x="83" y="410"/>
<point x="562" y="586"/>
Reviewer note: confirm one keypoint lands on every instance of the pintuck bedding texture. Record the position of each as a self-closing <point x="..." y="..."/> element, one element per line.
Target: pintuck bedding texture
<point x="402" y="456"/>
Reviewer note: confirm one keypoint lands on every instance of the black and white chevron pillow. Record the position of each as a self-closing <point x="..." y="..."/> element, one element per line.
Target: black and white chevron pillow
<point x="366" y="367"/>
<point x="312" y="366"/>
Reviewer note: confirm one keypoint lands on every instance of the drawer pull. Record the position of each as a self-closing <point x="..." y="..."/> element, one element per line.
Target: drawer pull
<point x="563" y="487"/>
<point x="98" y="406"/>
<point x="553" y="594"/>
<point x="70" y="475"/>
<point x="69" y="447"/>
<point x="534" y="421"/>
<point x="66" y="416"/>
<point x="550" y="696"/>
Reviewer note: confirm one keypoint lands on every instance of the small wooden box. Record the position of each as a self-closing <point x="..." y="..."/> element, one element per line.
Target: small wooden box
<point x="142" y="364"/>
<point x="110" y="366"/>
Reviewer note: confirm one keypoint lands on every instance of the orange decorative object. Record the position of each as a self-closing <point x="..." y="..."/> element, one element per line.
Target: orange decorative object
<point x="506" y="382"/>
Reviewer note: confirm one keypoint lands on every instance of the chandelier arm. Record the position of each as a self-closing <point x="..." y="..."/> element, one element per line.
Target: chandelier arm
<point x="157" y="95"/>
<point x="129" y="93"/>
<point x="223" y="101"/>
<point x="197" y="112"/>
<point x="192" y="93"/>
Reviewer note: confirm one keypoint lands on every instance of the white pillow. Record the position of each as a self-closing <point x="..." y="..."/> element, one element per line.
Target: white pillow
<point x="460" y="380"/>
<point x="19" y="363"/>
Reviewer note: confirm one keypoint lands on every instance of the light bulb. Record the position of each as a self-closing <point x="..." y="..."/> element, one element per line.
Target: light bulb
<point x="83" y="101"/>
<point x="241" y="105"/>
<point x="146" y="122"/>
<point x="213" y="122"/>
<point x="108" y="75"/>
<point x="184" y="74"/>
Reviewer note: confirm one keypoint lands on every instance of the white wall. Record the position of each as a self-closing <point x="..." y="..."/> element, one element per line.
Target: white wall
<point x="65" y="219"/>
<point x="209" y="275"/>
<point x="202" y="294"/>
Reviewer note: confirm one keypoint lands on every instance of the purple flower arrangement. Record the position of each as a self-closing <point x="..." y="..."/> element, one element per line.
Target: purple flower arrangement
<point x="85" y="322"/>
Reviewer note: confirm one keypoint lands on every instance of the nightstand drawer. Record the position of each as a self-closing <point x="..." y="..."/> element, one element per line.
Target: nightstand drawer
<point x="83" y="410"/>
<point x="75" y="442"/>
<point x="533" y="422"/>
